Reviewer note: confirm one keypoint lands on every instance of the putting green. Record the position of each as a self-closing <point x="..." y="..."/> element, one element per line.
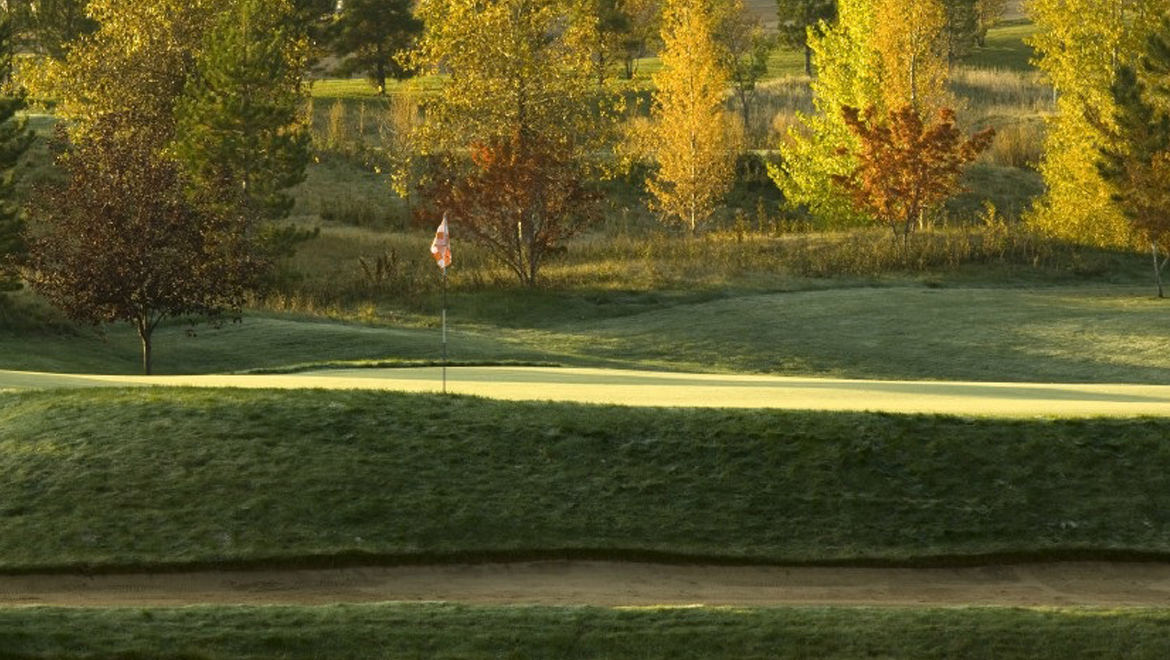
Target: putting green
<point x="644" y="388"/>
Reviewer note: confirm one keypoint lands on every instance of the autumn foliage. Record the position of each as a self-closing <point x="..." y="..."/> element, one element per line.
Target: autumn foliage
<point x="906" y="166"/>
<point x="521" y="197"/>
<point x="122" y="239"/>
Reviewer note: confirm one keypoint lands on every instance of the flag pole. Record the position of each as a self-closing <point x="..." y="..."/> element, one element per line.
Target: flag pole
<point x="441" y="250"/>
<point x="444" y="330"/>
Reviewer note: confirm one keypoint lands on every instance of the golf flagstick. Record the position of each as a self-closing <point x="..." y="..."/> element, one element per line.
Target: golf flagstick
<point x="441" y="250"/>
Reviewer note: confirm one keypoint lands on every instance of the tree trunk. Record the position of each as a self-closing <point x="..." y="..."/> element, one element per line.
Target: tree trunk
<point x="144" y="332"/>
<point x="745" y="107"/>
<point x="808" y="71"/>
<point x="1157" y="269"/>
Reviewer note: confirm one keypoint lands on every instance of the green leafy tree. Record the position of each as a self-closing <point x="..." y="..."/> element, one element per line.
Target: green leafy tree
<point x="238" y="124"/>
<point x="49" y="26"/>
<point x="642" y="20"/>
<point x="1079" y="46"/>
<point x="136" y="63"/>
<point x="528" y="109"/>
<point x="881" y="55"/>
<point x="15" y="139"/>
<point x="370" y="34"/>
<point x="988" y="14"/>
<point x="609" y="27"/>
<point x="693" y="148"/>
<point x="962" y="28"/>
<point x="747" y="47"/>
<point x="123" y="240"/>
<point x="848" y="74"/>
<point x="797" y="17"/>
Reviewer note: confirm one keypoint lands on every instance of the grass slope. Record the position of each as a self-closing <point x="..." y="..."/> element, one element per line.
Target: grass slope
<point x="121" y="479"/>
<point x="1071" y="334"/>
<point x="471" y="633"/>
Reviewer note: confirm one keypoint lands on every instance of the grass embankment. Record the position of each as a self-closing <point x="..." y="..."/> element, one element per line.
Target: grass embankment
<point x="137" y="479"/>
<point x="471" y="633"/>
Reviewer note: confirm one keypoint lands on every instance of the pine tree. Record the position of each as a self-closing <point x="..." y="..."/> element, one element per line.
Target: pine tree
<point x="1136" y="160"/>
<point x="239" y="129"/>
<point x="369" y="35"/>
<point x="796" y="17"/>
<point x="695" y="157"/>
<point x="14" y="141"/>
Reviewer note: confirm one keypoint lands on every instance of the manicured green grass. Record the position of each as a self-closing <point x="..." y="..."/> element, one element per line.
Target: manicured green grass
<point x="949" y="329"/>
<point x="171" y="477"/>
<point x="1006" y="48"/>
<point x="258" y="343"/>
<point x="570" y="633"/>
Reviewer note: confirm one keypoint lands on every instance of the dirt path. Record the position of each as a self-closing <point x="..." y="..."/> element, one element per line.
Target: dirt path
<point x="616" y="584"/>
<point x="649" y="388"/>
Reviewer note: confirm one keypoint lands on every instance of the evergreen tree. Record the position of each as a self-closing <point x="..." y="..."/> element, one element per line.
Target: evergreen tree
<point x="796" y="17"/>
<point x="238" y="121"/>
<point x="962" y="32"/>
<point x="14" y="141"/>
<point x="370" y="34"/>
<point x="1136" y="158"/>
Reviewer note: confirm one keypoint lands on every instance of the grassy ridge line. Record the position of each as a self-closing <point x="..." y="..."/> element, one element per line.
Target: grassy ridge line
<point x="445" y="631"/>
<point x="136" y="479"/>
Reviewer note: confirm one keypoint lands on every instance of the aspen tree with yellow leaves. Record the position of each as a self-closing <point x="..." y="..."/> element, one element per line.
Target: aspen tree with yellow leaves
<point x="910" y="38"/>
<point x="515" y="136"/>
<point x="1080" y="46"/>
<point x="693" y="146"/>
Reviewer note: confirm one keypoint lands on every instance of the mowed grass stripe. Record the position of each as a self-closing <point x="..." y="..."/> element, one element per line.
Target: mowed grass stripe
<point x="134" y="479"/>
<point x="661" y="389"/>
<point x="446" y="631"/>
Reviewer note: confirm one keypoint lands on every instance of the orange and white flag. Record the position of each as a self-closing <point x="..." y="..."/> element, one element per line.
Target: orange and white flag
<point x="441" y="246"/>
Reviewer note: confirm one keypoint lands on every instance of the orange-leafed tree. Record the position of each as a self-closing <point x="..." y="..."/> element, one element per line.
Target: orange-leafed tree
<point x="907" y="166"/>
<point x="521" y="197"/>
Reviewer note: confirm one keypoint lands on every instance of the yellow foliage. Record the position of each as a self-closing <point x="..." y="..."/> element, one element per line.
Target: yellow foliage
<point x="1080" y="46"/>
<point x="909" y="36"/>
<point x="694" y="146"/>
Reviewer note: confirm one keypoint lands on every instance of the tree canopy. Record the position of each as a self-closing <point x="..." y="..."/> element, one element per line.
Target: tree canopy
<point x="370" y="35"/>
<point x="530" y="101"/>
<point x="239" y="129"/>
<point x="15" y="139"/>
<point x="694" y="152"/>
<point x="123" y="240"/>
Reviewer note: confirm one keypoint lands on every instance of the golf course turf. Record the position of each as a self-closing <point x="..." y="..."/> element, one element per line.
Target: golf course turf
<point x="454" y="631"/>
<point x="113" y="479"/>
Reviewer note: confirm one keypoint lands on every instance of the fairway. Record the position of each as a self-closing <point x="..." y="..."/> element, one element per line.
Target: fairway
<point x="663" y="389"/>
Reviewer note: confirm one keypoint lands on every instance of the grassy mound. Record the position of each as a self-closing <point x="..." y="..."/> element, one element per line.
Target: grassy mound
<point x="147" y="478"/>
<point x="470" y="633"/>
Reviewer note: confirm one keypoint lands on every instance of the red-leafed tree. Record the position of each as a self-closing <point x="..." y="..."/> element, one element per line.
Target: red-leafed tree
<point x="123" y="239"/>
<point x="906" y="166"/>
<point x="521" y="198"/>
